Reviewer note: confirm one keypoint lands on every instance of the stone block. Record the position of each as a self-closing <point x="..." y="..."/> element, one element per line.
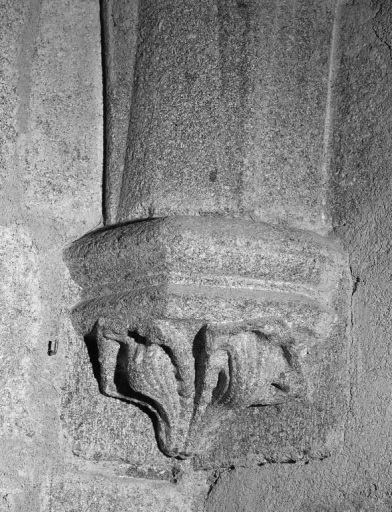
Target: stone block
<point x="229" y="111"/>
<point x="99" y="491"/>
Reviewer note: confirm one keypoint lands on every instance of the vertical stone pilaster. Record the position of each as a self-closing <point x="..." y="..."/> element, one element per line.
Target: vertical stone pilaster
<point x="228" y="112"/>
<point x="213" y="297"/>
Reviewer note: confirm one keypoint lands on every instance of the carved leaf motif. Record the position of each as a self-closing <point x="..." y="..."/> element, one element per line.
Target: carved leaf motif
<point x="151" y="373"/>
<point x="192" y="376"/>
<point x="260" y="368"/>
<point x="158" y="367"/>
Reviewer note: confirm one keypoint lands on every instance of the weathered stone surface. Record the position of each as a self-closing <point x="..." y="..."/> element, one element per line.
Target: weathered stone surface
<point x="119" y="40"/>
<point x="100" y="429"/>
<point x="41" y="210"/>
<point x="61" y="155"/>
<point x="228" y="112"/>
<point x="358" y="478"/>
<point x="20" y="413"/>
<point x="207" y="251"/>
<point x="174" y="305"/>
<point x="94" y="490"/>
<point x="34" y="279"/>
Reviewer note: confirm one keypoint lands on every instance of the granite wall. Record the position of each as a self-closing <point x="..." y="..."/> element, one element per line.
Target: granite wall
<point x="57" y="454"/>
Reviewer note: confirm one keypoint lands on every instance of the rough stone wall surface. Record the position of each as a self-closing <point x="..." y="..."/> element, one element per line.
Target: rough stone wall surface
<point x="228" y="102"/>
<point x="51" y="141"/>
<point x="50" y="183"/>
<point x="358" y="478"/>
<point x="50" y="186"/>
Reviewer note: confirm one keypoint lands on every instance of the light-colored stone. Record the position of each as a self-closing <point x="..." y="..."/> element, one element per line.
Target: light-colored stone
<point x="194" y="288"/>
<point x="182" y="312"/>
<point x="95" y="490"/>
<point x="228" y="114"/>
<point x="358" y="478"/>
<point x="61" y="153"/>
<point x="50" y="160"/>
<point x="42" y="208"/>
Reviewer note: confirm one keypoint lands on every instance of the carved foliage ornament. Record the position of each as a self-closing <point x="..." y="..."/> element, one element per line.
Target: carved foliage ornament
<point x="191" y="376"/>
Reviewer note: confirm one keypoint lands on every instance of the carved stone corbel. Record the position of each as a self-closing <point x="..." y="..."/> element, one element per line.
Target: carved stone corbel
<point x="215" y="293"/>
<point x="198" y="318"/>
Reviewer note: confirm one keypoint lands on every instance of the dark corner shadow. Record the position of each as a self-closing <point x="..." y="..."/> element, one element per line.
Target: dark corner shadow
<point x="92" y="349"/>
<point x="200" y="360"/>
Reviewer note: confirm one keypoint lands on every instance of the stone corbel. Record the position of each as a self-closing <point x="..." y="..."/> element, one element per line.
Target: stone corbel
<point x="198" y="318"/>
